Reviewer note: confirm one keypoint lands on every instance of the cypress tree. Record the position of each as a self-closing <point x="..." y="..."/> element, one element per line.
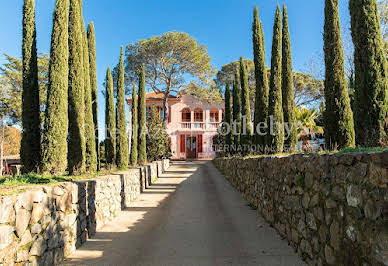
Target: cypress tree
<point x="54" y="144"/>
<point x="142" y="152"/>
<point x="122" y="138"/>
<point x="245" y="103"/>
<point x="110" y="121"/>
<point x="228" y="114"/>
<point x="93" y="83"/>
<point x="30" y="150"/>
<point x="76" y="143"/>
<point x="288" y="99"/>
<point x="338" y="116"/>
<point x="370" y="103"/>
<point x="276" y="137"/>
<point x="236" y="109"/>
<point x="134" y="126"/>
<point x="262" y="91"/>
<point x="91" y="156"/>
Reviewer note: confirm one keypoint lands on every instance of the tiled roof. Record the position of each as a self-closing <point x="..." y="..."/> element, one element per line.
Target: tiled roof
<point x="153" y="96"/>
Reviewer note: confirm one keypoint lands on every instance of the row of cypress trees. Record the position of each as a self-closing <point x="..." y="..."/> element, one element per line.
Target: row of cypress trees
<point x="116" y="143"/>
<point x="69" y="138"/>
<point x="273" y="98"/>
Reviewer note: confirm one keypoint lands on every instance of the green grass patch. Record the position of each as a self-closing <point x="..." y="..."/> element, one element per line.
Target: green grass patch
<point x="367" y="149"/>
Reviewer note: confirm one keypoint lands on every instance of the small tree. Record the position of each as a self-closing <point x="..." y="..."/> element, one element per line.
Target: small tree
<point x="91" y="153"/>
<point x="276" y="139"/>
<point x="338" y="116"/>
<point x="30" y="151"/>
<point x="236" y="108"/>
<point x="245" y="103"/>
<point x="288" y="98"/>
<point x="76" y="140"/>
<point x="371" y="83"/>
<point x="261" y="76"/>
<point x="142" y="130"/>
<point x="158" y="146"/>
<point x="93" y="82"/>
<point x="110" y="121"/>
<point x="134" y="153"/>
<point x="54" y="143"/>
<point x="228" y="113"/>
<point x="122" y="152"/>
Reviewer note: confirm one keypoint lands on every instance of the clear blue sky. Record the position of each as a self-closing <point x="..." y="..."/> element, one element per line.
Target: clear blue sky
<point x="224" y="26"/>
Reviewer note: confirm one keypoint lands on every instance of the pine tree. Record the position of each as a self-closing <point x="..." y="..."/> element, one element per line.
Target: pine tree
<point x="288" y="99"/>
<point x="110" y="121"/>
<point x="142" y="152"/>
<point x="30" y="151"/>
<point x="76" y="143"/>
<point x="54" y="143"/>
<point x="338" y="116"/>
<point x="91" y="156"/>
<point x="370" y="106"/>
<point x="93" y="83"/>
<point x="228" y="114"/>
<point x="245" y="104"/>
<point x="262" y="90"/>
<point x="276" y="138"/>
<point x="236" y="109"/>
<point x="122" y="156"/>
<point x="134" y="153"/>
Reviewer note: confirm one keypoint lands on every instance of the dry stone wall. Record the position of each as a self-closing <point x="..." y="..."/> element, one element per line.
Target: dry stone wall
<point x="333" y="209"/>
<point x="44" y="225"/>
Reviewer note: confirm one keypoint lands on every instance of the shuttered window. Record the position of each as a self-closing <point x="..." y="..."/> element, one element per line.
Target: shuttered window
<point x="199" y="143"/>
<point x="183" y="143"/>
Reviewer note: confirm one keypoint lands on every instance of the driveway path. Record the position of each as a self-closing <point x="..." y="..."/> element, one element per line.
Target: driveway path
<point x="190" y="216"/>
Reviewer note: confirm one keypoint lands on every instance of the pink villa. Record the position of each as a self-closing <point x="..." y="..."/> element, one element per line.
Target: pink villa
<point x="192" y="124"/>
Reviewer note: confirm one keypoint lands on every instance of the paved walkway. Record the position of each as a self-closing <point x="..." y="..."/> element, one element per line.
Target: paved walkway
<point x="190" y="216"/>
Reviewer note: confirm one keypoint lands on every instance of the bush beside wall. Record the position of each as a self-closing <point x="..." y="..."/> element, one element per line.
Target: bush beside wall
<point x="333" y="209"/>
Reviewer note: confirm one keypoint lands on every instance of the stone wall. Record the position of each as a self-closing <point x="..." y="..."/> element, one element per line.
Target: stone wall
<point x="333" y="209"/>
<point x="45" y="224"/>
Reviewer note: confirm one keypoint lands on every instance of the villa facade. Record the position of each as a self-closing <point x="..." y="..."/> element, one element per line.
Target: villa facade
<point x="192" y="124"/>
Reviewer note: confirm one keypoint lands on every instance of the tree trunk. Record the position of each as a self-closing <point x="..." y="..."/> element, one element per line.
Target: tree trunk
<point x="2" y="146"/>
<point x="165" y="104"/>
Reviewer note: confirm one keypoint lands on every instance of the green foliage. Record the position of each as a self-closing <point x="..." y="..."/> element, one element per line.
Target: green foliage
<point x="245" y="103"/>
<point x="76" y="138"/>
<point x="288" y="99"/>
<point x="276" y="140"/>
<point x="338" y="116"/>
<point x="261" y="76"/>
<point x="93" y="82"/>
<point x="236" y="108"/>
<point x="370" y="103"/>
<point x="110" y="121"/>
<point x="142" y="129"/>
<point x="306" y="121"/>
<point x="91" y="155"/>
<point x="204" y="95"/>
<point x="54" y="143"/>
<point x="228" y="113"/>
<point x="30" y="151"/>
<point x="158" y="146"/>
<point x="122" y="153"/>
<point x="134" y="153"/>
<point x="11" y="83"/>
<point x="175" y="55"/>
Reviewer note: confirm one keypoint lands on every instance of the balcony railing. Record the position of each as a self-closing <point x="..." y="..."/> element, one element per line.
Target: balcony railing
<point x="200" y="125"/>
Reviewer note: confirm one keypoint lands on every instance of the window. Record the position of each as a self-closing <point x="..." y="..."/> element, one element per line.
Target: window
<point x="214" y="115"/>
<point x="186" y="115"/>
<point x="198" y="115"/>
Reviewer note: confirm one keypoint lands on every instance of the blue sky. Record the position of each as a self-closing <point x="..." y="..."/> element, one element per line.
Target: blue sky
<point x="224" y="26"/>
